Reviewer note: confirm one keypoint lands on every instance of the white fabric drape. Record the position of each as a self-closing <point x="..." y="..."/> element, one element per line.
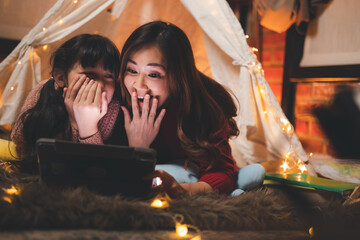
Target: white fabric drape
<point x="331" y="38"/>
<point x="220" y="50"/>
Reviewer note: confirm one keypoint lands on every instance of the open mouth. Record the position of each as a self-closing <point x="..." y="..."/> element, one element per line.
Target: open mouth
<point x="141" y="98"/>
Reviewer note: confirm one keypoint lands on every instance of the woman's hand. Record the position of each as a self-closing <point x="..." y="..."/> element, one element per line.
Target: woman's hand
<point x="142" y="129"/>
<point x="89" y="106"/>
<point x="69" y="95"/>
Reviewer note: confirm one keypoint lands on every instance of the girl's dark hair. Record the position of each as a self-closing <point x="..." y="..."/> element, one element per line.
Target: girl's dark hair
<point x="206" y="107"/>
<point x="49" y="118"/>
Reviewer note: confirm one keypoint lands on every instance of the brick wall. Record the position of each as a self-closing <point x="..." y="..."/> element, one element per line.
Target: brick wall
<point x="308" y="95"/>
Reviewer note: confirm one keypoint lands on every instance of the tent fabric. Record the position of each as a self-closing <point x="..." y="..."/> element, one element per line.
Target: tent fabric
<point x="220" y="49"/>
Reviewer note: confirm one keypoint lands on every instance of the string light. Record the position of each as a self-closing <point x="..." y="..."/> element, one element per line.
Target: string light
<point x="12" y="88"/>
<point x="10" y="191"/>
<point x="61" y="22"/>
<point x="246" y="36"/>
<point x="75" y="1"/>
<point x="19" y="62"/>
<point x="45" y="47"/>
<point x="44" y="29"/>
<point x="254" y="49"/>
<point x="161" y="200"/>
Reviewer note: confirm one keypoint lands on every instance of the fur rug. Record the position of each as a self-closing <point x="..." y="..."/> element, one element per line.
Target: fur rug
<point x="40" y="207"/>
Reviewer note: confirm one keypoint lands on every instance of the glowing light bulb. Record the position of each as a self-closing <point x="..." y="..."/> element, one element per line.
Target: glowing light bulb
<point x="45" y="47"/>
<point x="285" y="166"/>
<point x="61" y="21"/>
<point x="12" y="191"/>
<point x="12" y="88"/>
<point x="19" y="62"/>
<point x="254" y="49"/>
<point x="264" y="112"/>
<point x="302" y="168"/>
<point x="157" y="203"/>
<point x="246" y="36"/>
<point x="44" y="29"/>
<point x="181" y="229"/>
<point x="75" y="1"/>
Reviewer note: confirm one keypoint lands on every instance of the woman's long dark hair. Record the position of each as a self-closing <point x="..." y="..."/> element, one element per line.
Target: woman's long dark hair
<point x="49" y="118"/>
<point x="206" y="107"/>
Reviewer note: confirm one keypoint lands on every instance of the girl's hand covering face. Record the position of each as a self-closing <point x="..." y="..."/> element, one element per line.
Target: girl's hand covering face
<point x="89" y="106"/>
<point x="143" y="128"/>
<point x="69" y="95"/>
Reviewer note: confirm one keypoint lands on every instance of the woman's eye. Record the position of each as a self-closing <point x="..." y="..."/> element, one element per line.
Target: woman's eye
<point x="155" y="75"/>
<point x="109" y="76"/>
<point x="131" y="71"/>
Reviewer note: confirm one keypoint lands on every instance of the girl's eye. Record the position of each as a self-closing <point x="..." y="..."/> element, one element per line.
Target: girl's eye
<point x="131" y="71"/>
<point x="109" y="76"/>
<point x="91" y="75"/>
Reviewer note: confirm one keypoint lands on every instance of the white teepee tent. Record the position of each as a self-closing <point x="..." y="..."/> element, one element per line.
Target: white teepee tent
<point x="220" y="49"/>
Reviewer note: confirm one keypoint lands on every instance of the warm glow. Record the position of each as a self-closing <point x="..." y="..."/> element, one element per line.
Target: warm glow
<point x="12" y="88"/>
<point x="45" y="47"/>
<point x="19" y="62"/>
<point x="285" y="166"/>
<point x="7" y="199"/>
<point x="310" y="155"/>
<point x="262" y="91"/>
<point x="286" y="126"/>
<point x="157" y="203"/>
<point x="246" y="36"/>
<point x="161" y="201"/>
<point x="113" y="18"/>
<point x="302" y="168"/>
<point x="44" y="29"/>
<point x="254" y="49"/>
<point x="76" y="1"/>
<point x="264" y="112"/>
<point x="61" y="21"/>
<point x="196" y="238"/>
<point x="311" y="231"/>
<point x="12" y="191"/>
<point x="181" y="229"/>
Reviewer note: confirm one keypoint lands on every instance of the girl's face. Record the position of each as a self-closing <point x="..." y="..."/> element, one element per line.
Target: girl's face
<point x="97" y="73"/>
<point x="146" y="74"/>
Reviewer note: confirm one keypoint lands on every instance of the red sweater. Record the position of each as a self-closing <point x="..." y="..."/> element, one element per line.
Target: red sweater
<point x="167" y="144"/>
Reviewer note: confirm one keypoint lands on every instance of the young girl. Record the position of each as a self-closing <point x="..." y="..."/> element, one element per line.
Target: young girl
<point x="80" y="102"/>
<point x="158" y="72"/>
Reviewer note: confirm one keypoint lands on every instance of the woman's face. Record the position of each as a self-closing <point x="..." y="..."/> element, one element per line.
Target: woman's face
<point x="146" y="74"/>
<point x="97" y="73"/>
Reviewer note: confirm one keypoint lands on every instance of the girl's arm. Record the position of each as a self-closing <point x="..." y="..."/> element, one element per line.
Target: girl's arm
<point x="17" y="135"/>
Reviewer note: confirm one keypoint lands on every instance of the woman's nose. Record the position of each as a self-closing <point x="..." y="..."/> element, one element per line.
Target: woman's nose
<point x="140" y="83"/>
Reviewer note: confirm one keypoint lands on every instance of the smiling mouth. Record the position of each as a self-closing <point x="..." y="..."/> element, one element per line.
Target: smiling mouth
<point x="141" y="98"/>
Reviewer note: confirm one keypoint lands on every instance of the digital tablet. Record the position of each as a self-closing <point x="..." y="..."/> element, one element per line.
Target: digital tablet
<point x="105" y="169"/>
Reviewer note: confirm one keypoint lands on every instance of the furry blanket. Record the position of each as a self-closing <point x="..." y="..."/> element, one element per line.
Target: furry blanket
<point x="40" y="207"/>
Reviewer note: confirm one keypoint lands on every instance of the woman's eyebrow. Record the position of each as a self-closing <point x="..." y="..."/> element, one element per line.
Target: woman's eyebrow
<point x="157" y="65"/>
<point x="150" y="64"/>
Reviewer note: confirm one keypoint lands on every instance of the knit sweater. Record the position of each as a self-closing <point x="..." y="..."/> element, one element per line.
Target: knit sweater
<point x="105" y="125"/>
<point x="167" y="144"/>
